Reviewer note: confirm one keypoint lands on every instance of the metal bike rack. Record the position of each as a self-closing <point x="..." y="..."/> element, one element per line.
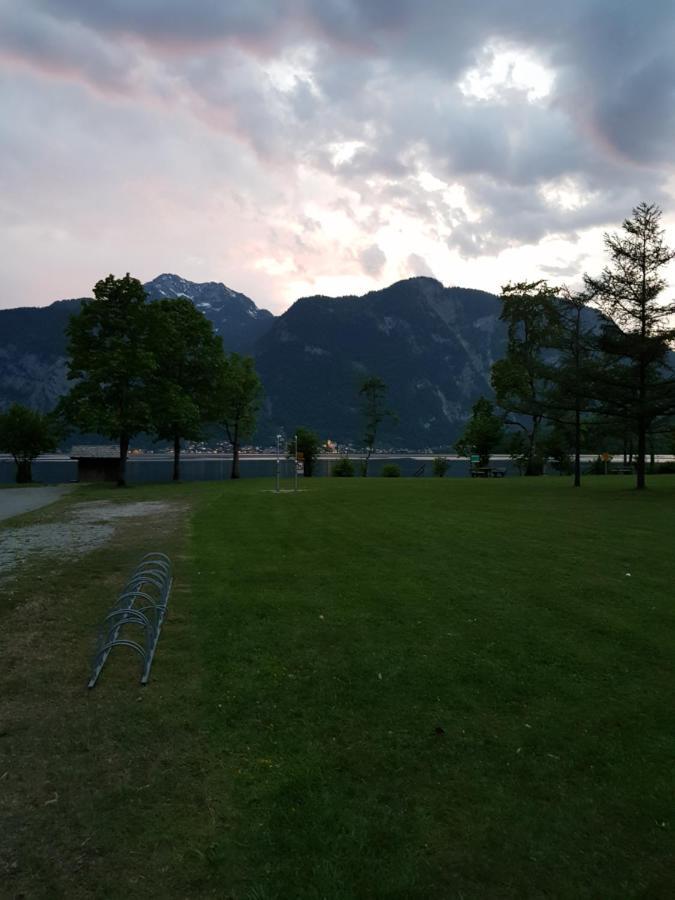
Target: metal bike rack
<point x="141" y="604"/>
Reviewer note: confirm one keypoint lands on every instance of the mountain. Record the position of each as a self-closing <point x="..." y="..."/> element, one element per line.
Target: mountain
<point x="235" y="317"/>
<point x="432" y="345"/>
<point x="33" y="354"/>
<point x="33" y="340"/>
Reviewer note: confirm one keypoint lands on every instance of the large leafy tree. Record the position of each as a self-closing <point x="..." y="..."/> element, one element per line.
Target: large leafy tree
<point x="112" y="361"/>
<point x="483" y="433"/>
<point x="638" y="386"/>
<point x="373" y="393"/>
<point x="522" y="380"/>
<point x="25" y="434"/>
<point x="238" y="401"/>
<point x="188" y="356"/>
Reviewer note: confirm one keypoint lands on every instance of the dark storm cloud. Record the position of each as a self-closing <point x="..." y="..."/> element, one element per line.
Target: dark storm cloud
<point x="365" y="94"/>
<point x="177" y="22"/>
<point x="613" y="60"/>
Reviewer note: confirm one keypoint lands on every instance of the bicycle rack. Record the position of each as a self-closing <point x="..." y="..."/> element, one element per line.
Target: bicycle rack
<point x="141" y="604"/>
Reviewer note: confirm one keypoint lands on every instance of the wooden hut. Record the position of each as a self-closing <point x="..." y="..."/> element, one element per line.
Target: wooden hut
<point x="96" y="462"/>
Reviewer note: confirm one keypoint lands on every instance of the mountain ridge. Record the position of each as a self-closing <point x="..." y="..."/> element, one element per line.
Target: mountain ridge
<point x="433" y="346"/>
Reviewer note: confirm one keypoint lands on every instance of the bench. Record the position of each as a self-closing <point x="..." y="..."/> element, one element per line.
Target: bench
<point x="487" y="472"/>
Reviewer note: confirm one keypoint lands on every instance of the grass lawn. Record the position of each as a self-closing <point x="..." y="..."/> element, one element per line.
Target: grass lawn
<point x="390" y="688"/>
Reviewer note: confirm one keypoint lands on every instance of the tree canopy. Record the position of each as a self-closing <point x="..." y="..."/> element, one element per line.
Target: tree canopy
<point x="25" y="434"/>
<point x="309" y="446"/>
<point x="522" y="380"/>
<point x="483" y="433"/>
<point x="238" y="400"/>
<point x="638" y="383"/>
<point x="112" y="361"/>
<point x="372" y="393"/>
<point x="188" y="356"/>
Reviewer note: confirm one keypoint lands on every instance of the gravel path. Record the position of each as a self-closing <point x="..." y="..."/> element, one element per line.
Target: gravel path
<point x="84" y="528"/>
<point x="16" y="501"/>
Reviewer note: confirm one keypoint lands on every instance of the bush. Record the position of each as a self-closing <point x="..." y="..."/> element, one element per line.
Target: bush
<point x="343" y="468"/>
<point x="597" y="467"/>
<point x="391" y="470"/>
<point x="440" y="466"/>
<point x="666" y="468"/>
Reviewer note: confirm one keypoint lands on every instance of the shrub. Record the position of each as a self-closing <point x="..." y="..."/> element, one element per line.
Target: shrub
<point x="597" y="467"/>
<point x="343" y="468"/>
<point x="665" y="468"/>
<point x="440" y="466"/>
<point x="391" y="470"/>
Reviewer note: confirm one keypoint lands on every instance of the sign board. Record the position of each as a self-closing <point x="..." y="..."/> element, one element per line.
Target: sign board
<point x="475" y="458"/>
<point x="301" y="457"/>
<point x="605" y="457"/>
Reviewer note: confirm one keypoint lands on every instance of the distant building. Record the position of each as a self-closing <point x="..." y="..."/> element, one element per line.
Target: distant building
<point x="96" y="462"/>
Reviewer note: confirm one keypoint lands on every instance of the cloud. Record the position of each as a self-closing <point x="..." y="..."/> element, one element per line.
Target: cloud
<point x="294" y="130"/>
<point x="372" y="260"/>
<point x="417" y="265"/>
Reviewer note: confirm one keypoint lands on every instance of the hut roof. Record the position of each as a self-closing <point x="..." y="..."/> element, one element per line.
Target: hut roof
<point x="95" y="451"/>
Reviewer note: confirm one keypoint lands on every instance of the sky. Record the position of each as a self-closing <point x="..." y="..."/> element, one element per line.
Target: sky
<point x="297" y="147"/>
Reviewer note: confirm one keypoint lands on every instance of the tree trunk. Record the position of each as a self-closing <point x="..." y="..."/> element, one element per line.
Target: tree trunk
<point x="176" y="457"/>
<point x="122" y="471"/>
<point x="24" y="471"/>
<point x="235" y="454"/>
<point x="530" y="468"/>
<point x="641" y="453"/>
<point x="364" y="466"/>
<point x="577" y="399"/>
<point x="577" y="447"/>
<point x="641" y="427"/>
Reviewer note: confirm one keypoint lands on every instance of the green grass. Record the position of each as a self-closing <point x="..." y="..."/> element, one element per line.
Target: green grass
<point x="341" y="627"/>
<point x="371" y="689"/>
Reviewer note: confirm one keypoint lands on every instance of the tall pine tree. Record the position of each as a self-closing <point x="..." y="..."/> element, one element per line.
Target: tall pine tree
<point x="639" y="386"/>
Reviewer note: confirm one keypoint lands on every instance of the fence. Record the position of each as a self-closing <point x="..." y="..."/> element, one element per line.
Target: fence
<point x="141" y="604"/>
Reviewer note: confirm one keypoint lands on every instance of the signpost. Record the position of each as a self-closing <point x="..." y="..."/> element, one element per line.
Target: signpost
<point x="278" y="460"/>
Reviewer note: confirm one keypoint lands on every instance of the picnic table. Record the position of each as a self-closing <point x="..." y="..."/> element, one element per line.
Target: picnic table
<point x="487" y="472"/>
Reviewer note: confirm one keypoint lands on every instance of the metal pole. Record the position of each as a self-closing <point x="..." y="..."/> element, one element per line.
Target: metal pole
<point x="278" y="439"/>
<point x="295" y="485"/>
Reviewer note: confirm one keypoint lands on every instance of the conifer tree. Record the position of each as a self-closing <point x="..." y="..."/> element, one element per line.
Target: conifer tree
<point x="639" y="384"/>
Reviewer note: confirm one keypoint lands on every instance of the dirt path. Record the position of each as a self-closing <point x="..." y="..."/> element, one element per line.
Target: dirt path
<point x="82" y="528"/>
<point x="16" y="501"/>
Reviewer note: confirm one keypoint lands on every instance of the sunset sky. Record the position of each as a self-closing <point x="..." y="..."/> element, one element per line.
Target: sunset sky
<point x="295" y="147"/>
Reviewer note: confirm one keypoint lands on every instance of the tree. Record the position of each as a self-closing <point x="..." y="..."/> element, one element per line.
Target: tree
<point x="238" y="401"/>
<point x="188" y="353"/>
<point x="112" y="360"/>
<point x="483" y="433"/>
<point x="522" y="380"/>
<point x="639" y="387"/>
<point x="309" y="445"/>
<point x="568" y="398"/>
<point x="555" y="444"/>
<point x="372" y="394"/>
<point x="25" y="434"/>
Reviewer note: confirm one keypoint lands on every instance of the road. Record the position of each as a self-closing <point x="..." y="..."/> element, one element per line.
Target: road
<point x="16" y="501"/>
